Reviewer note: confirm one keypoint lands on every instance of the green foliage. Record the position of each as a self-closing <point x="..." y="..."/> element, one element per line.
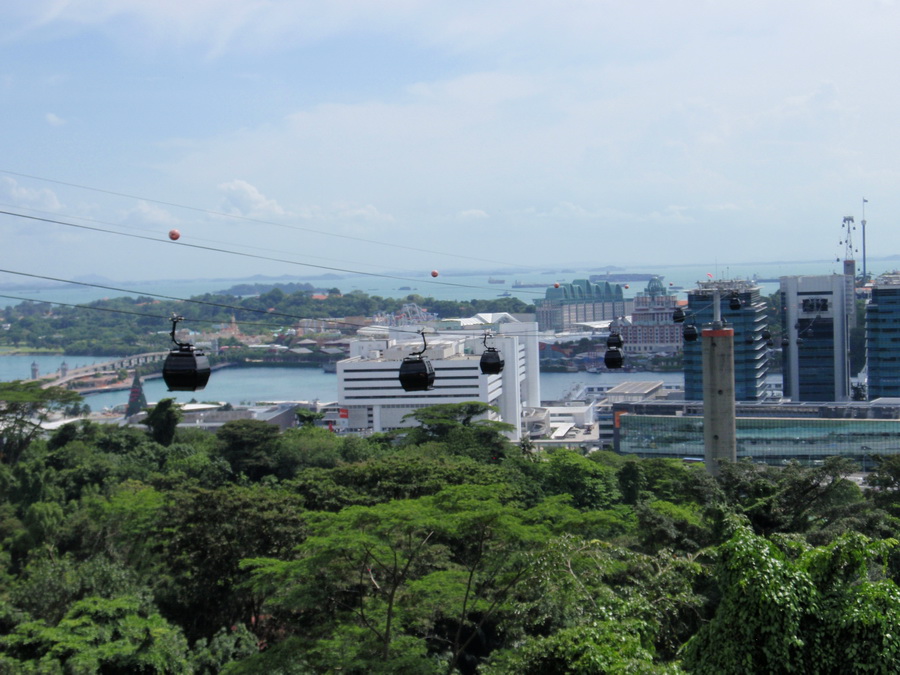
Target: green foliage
<point x="441" y="549"/>
<point x="817" y="609"/>
<point x="789" y="499"/>
<point x="227" y="646"/>
<point x="463" y="428"/>
<point x="598" y="648"/>
<point x="120" y="634"/>
<point x="249" y="446"/>
<point x="591" y="484"/>
<point x="201" y="538"/>
<point x="24" y="406"/>
<point x="162" y="420"/>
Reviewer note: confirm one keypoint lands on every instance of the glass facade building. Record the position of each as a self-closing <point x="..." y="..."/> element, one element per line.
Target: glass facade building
<point x="883" y="338"/>
<point x="815" y="352"/>
<point x="751" y="355"/>
<point x="774" y="436"/>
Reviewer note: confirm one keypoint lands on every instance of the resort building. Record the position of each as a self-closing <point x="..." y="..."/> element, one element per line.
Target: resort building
<point x="580" y="302"/>
<point x="650" y="330"/>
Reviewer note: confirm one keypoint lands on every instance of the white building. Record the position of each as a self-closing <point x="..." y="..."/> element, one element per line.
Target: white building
<point x="369" y="386"/>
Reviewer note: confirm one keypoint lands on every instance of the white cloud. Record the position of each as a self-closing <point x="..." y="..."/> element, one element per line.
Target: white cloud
<point x="54" y="120"/>
<point x="43" y="198"/>
<point x="242" y="198"/>
<point x="153" y="214"/>
<point x="472" y="214"/>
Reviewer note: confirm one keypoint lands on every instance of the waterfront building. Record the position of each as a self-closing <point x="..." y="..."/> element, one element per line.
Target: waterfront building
<point x="816" y="338"/>
<point x="883" y="338"/>
<point x="748" y="321"/>
<point x="650" y="329"/>
<point x="369" y="388"/>
<point x="580" y="302"/>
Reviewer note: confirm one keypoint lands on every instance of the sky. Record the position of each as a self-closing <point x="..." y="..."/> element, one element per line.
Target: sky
<point x="288" y="136"/>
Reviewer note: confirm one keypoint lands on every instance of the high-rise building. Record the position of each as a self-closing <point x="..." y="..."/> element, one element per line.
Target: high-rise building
<point x="581" y="301"/>
<point x="743" y="311"/>
<point x="816" y="339"/>
<point x="883" y="338"/>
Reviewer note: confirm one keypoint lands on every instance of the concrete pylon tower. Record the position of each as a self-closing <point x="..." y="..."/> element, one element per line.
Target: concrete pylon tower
<point x="719" y="434"/>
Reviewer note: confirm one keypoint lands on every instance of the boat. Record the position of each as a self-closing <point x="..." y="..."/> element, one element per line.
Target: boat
<point x="521" y="284"/>
<point x="492" y="280"/>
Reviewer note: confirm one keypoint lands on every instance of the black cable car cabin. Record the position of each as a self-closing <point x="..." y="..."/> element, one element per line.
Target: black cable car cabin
<point x="186" y="368"/>
<point x="691" y="333"/>
<point x="613" y="359"/>
<point x="416" y="371"/>
<point x="416" y="374"/>
<point x="491" y="362"/>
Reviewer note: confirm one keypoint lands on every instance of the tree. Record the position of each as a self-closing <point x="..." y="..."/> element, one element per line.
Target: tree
<point x="463" y="428"/>
<point x="201" y="537"/>
<point x="392" y="587"/>
<point x="24" y="407"/>
<point x="793" y="608"/>
<point x="307" y="417"/>
<point x="98" y="635"/>
<point x="162" y="421"/>
<point x="249" y="446"/>
<point x="136" y="399"/>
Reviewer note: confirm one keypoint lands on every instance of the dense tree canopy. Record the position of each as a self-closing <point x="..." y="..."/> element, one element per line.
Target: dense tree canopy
<point x="439" y="549"/>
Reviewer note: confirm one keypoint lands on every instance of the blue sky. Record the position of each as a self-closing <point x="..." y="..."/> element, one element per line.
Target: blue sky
<point x="523" y="133"/>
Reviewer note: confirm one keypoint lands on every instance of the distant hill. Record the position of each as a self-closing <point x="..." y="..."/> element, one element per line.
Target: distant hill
<point x="258" y="289"/>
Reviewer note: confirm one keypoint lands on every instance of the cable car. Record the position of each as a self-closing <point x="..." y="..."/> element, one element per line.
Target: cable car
<point x="678" y="315"/>
<point x="416" y="371"/>
<point x="691" y="333"/>
<point x="416" y="374"/>
<point x="613" y="359"/>
<point x="186" y="368"/>
<point x="491" y="360"/>
<point x="734" y="302"/>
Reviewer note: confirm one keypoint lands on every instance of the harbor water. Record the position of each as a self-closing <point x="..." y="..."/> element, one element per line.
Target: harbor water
<point x="250" y="385"/>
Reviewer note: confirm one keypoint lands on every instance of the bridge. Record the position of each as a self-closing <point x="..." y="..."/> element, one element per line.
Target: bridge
<point x="61" y="379"/>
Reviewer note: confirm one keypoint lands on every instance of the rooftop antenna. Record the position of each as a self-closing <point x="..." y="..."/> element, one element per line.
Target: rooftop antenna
<point x="865" y="272"/>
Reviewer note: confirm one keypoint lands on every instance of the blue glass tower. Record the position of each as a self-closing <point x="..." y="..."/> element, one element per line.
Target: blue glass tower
<point x="883" y="338"/>
<point x="748" y="320"/>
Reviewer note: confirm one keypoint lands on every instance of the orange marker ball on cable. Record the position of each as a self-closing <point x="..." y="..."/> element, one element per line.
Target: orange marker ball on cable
<point x="174" y="235"/>
<point x="434" y="273"/>
<point x="556" y="285"/>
